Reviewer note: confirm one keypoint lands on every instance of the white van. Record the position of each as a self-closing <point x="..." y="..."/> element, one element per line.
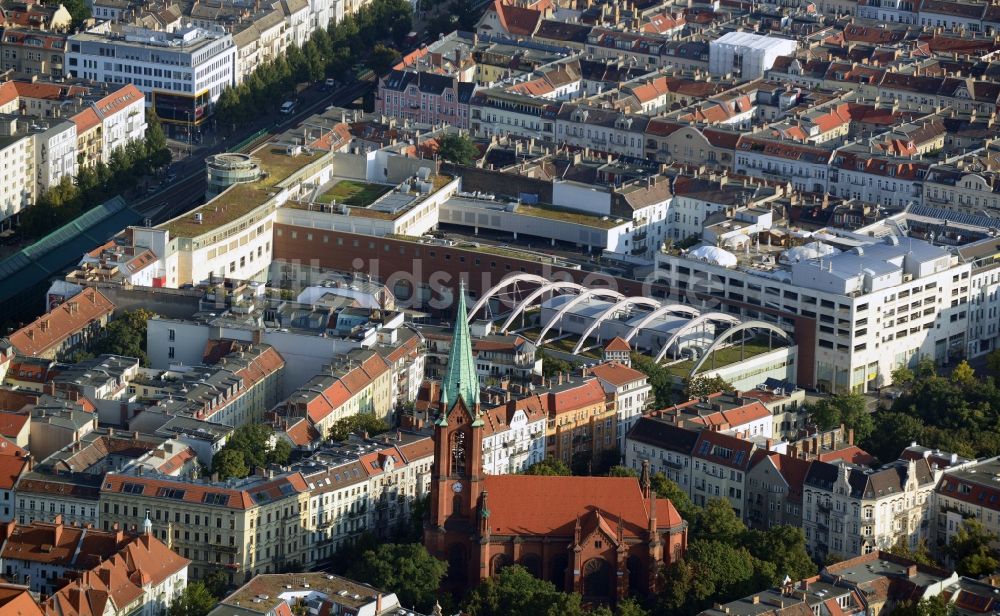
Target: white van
<point x="287" y="107"/>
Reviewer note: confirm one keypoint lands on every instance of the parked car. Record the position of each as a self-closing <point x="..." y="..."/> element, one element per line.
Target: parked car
<point x="288" y="107"/>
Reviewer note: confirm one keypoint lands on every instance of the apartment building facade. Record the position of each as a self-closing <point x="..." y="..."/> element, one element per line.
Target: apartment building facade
<point x="255" y="525"/>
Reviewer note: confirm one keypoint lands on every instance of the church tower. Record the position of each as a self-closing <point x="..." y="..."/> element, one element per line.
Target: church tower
<point x="457" y="474"/>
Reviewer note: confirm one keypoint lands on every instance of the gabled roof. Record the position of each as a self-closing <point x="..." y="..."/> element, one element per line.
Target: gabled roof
<point x="52" y="328"/>
<point x="616" y="374"/>
<point x="663" y="435"/>
<point x="617" y="344"/>
<point x="723" y="449"/>
<point x="549" y="506"/>
<point x="792" y="470"/>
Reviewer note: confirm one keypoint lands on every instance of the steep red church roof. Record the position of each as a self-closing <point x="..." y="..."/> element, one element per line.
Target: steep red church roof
<point x="543" y="505"/>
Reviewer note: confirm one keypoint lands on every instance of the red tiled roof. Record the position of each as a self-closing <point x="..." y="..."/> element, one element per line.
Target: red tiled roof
<point x="63" y="321"/>
<point x="11" y="468"/>
<point x="119" y="100"/>
<point x="851" y="454"/>
<point x="617" y="344"/>
<point x="734" y="417"/>
<point x="302" y="433"/>
<point x="16" y="600"/>
<point x="587" y="393"/>
<point x="86" y="120"/>
<point x="11" y="424"/>
<point x="540" y="505"/>
<point x="617" y="374"/>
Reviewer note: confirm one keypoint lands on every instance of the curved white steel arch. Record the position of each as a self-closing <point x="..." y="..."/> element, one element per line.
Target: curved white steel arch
<point x="729" y="334"/>
<point x="636" y="300"/>
<point x="576" y="300"/>
<point x="664" y="309"/>
<point x="503" y="284"/>
<point x="683" y="329"/>
<point x="531" y="297"/>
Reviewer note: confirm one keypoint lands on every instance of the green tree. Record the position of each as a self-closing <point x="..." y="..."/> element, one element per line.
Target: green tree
<point x="630" y="607"/>
<point x="701" y="386"/>
<point x="785" y="547"/>
<point x="660" y="379"/>
<point x="549" y="466"/>
<point x="719" y="522"/>
<point x="848" y="409"/>
<point x="194" y="600"/>
<point x="515" y="592"/>
<point x="902" y="376"/>
<point x="78" y="10"/>
<point x="935" y="606"/>
<point x="921" y="555"/>
<point x="125" y="335"/>
<point x="552" y="366"/>
<point x="622" y="471"/>
<point x="382" y="59"/>
<point x="157" y="152"/>
<point x="963" y="374"/>
<point x="256" y="444"/>
<point x="216" y="583"/>
<point x="893" y="432"/>
<point x="361" y="423"/>
<point x="458" y="149"/>
<point x="971" y="549"/>
<point x="405" y="569"/>
<point x="230" y="463"/>
<point x="993" y="363"/>
<point x="711" y="571"/>
<point x="665" y="488"/>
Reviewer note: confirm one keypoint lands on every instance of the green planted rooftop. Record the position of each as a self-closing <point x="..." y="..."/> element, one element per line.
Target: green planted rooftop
<point x="241" y="199"/>
<point x="728" y="355"/>
<point x="354" y="193"/>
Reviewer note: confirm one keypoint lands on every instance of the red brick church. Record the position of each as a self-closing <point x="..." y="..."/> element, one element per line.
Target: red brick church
<point x="603" y="537"/>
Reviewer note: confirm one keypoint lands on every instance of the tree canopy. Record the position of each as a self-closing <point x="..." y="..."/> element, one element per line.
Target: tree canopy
<point x="125" y="335"/>
<point x="660" y="379"/>
<point x="725" y="560"/>
<point x="194" y="600"/>
<point x="515" y="592"/>
<point x="958" y="413"/>
<point x="406" y="569"/>
<point x="701" y="386"/>
<point x="458" y="149"/>
<point x="847" y="409"/>
<point x="971" y="549"/>
<point x="360" y="423"/>
<point x="255" y="445"/>
<point x="97" y="183"/>
<point x="371" y="36"/>
<point x="548" y="466"/>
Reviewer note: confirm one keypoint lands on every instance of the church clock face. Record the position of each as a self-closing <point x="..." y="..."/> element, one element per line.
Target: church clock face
<point x="457" y="487"/>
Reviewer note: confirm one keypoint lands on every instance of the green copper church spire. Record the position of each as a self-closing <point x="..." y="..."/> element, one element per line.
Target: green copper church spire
<point x="460" y="380"/>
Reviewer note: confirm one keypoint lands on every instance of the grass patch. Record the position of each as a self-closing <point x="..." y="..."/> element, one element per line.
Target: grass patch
<point x="357" y="194"/>
<point x="726" y="356"/>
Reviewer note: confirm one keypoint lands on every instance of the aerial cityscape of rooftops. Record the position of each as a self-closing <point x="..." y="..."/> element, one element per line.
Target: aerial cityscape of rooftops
<point x="500" y="308"/>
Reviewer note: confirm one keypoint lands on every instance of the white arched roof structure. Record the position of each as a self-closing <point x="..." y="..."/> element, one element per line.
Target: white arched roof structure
<point x="690" y="325"/>
<point x="664" y="309"/>
<point x="726" y="335"/>
<point x="503" y="284"/>
<point x="540" y="291"/>
<point x="557" y="317"/>
<point x="637" y="300"/>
